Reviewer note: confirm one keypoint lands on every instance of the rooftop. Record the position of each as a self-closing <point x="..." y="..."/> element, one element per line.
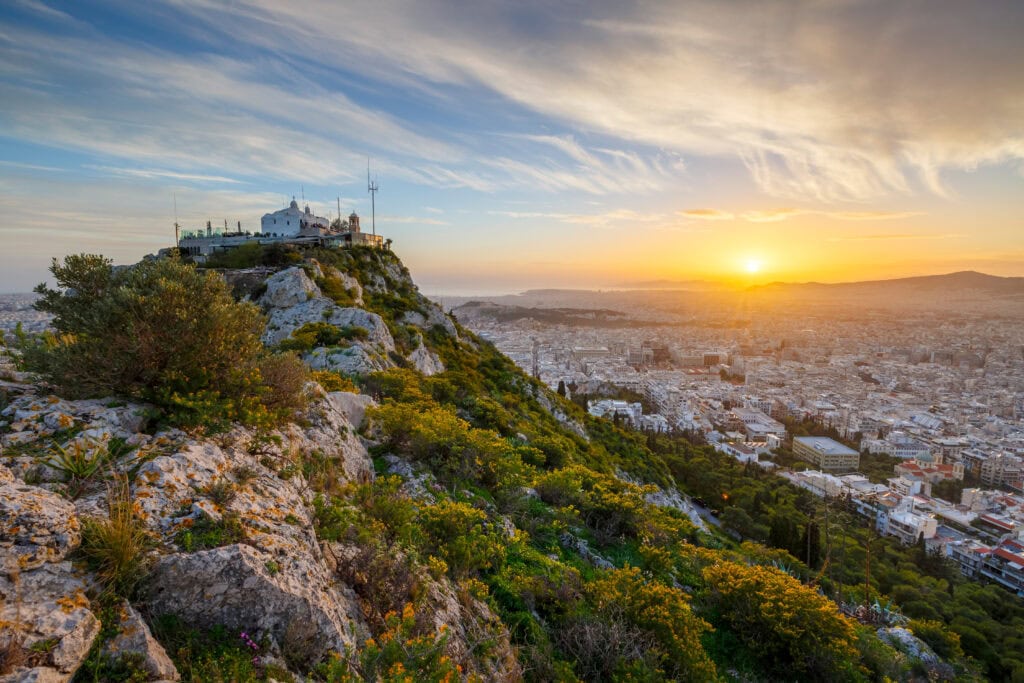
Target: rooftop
<point x="825" y="445"/>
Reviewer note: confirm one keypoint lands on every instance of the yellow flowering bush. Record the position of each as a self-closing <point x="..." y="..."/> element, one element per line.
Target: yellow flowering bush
<point x="787" y="625"/>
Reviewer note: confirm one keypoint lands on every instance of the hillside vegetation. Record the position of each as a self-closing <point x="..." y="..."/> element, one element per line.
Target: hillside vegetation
<point x="412" y="508"/>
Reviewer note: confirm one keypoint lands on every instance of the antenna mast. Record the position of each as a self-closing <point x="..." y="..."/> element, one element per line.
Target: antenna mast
<point x="177" y="228"/>
<point x="371" y="187"/>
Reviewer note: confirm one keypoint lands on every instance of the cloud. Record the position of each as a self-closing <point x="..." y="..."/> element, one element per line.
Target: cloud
<point x="157" y="173"/>
<point x="771" y="215"/>
<point x="412" y="220"/>
<point x="707" y="214"/>
<point x="781" y="214"/>
<point x="787" y="88"/>
<point x="32" y="167"/>
<point x="897" y="236"/>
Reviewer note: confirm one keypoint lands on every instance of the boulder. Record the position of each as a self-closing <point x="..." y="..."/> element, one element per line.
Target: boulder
<point x="432" y="317"/>
<point x="425" y="361"/>
<point x="289" y="600"/>
<point x="349" y="282"/>
<point x="36" y="526"/>
<point x="353" y="360"/>
<point x="351" y="406"/>
<point x="288" y="288"/>
<point x="165" y="483"/>
<point x="39" y="674"/>
<point x="134" y="637"/>
<point x="32" y="417"/>
<point x="371" y="322"/>
<point x="906" y="642"/>
<point x="49" y="604"/>
<point x="283" y="321"/>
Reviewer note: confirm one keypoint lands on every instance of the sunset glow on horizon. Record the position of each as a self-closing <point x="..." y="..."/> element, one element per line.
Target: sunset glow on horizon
<point x="526" y="146"/>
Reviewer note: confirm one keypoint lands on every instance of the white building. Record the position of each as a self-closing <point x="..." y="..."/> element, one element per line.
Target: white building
<point x="291" y="221"/>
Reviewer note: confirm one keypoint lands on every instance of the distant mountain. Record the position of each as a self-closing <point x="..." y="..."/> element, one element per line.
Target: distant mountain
<point x="580" y="317"/>
<point x="689" y="285"/>
<point x="966" y="283"/>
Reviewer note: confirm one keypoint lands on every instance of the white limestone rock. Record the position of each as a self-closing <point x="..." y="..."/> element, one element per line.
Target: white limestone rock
<point x="39" y="674"/>
<point x="134" y="637"/>
<point x="906" y="642"/>
<point x="50" y="603"/>
<point x="351" y="406"/>
<point x="353" y="360"/>
<point x="291" y="602"/>
<point x="283" y="321"/>
<point x="166" y="483"/>
<point x="425" y="361"/>
<point x="36" y="526"/>
<point x="170" y="491"/>
<point x="288" y="288"/>
<point x="434" y="316"/>
<point x="350" y="283"/>
<point x="32" y="417"/>
<point x="562" y="418"/>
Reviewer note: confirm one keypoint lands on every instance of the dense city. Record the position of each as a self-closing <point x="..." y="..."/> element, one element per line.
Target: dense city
<point x="939" y="395"/>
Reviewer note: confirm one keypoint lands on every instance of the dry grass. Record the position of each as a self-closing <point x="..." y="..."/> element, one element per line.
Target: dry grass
<point x="12" y="652"/>
<point x="115" y="548"/>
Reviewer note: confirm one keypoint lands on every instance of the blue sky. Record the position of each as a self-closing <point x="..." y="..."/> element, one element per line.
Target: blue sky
<point x="526" y="144"/>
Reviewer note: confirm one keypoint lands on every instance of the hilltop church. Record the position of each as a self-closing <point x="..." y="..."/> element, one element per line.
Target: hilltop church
<point x="290" y="225"/>
<point x="291" y="222"/>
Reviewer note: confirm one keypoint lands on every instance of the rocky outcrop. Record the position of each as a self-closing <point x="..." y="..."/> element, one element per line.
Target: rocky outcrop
<point x="241" y="587"/>
<point x="560" y="415"/>
<point x="134" y="638"/>
<point x="425" y="361"/>
<point x="432" y="317"/>
<point x="36" y="526"/>
<point x="350" y="283"/>
<point x="288" y="288"/>
<point x="353" y="360"/>
<point x="171" y="491"/>
<point x="49" y="605"/>
<point x="283" y="321"/>
<point x="292" y="300"/>
<point x="31" y="417"/>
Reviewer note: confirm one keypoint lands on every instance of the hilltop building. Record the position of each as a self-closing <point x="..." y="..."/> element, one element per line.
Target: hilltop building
<point x="291" y="221"/>
<point x="290" y="225"/>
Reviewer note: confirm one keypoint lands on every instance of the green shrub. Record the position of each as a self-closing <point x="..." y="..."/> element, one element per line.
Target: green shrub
<point x="315" y="335"/>
<point x="215" y="655"/>
<point x="80" y="460"/>
<point x="206" y="533"/>
<point x="334" y="381"/>
<point x="221" y="492"/>
<point x="333" y="288"/>
<point x="159" y="331"/>
<point x="462" y="536"/>
<point x="402" y="653"/>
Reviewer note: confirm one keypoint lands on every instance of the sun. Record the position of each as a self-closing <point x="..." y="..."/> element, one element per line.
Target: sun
<point x="752" y="265"/>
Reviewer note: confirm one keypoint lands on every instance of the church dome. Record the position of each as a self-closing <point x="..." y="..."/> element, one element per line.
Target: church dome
<point x="294" y="204"/>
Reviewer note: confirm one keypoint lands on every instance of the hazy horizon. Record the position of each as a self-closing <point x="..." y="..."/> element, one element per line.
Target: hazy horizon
<point x="527" y="146"/>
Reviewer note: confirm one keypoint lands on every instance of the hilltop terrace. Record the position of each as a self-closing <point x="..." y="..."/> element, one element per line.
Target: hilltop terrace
<point x="290" y="226"/>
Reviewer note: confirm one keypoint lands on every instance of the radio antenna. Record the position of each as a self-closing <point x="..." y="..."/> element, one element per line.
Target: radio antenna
<point x="372" y="187"/>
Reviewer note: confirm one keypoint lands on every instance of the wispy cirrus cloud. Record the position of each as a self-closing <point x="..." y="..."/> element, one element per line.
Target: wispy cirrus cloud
<point x="785" y="213"/>
<point x="159" y="173"/>
<point x="897" y="236"/>
<point x="786" y="88"/>
<point x="708" y="214"/>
